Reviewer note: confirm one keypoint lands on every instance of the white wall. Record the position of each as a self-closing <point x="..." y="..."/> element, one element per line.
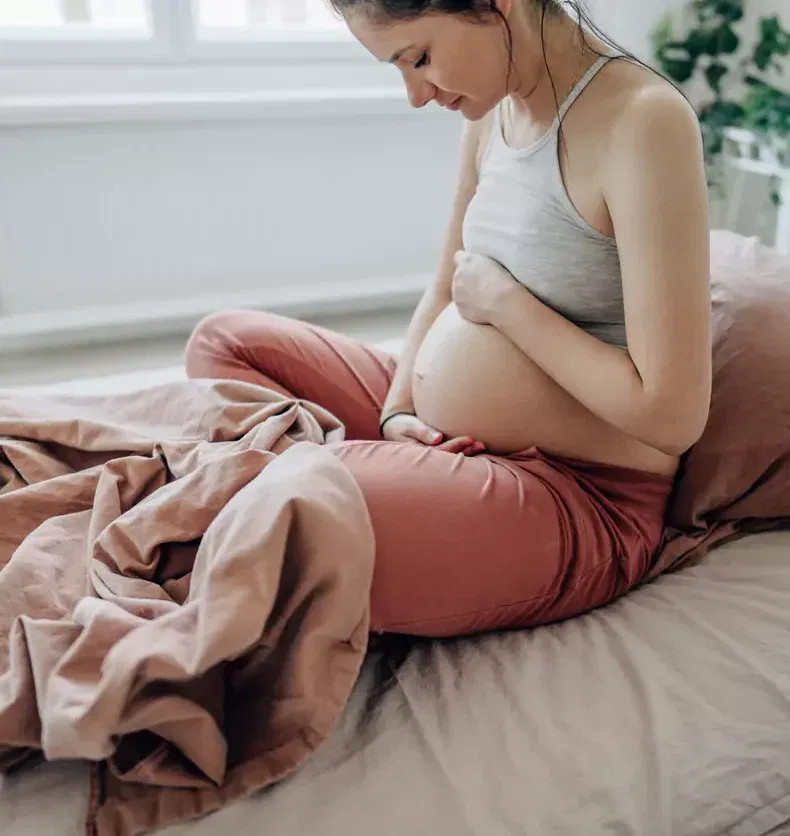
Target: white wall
<point x="629" y="22"/>
<point x="143" y="216"/>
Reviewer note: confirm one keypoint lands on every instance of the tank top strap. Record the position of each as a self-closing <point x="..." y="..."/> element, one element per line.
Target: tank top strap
<point x="582" y="84"/>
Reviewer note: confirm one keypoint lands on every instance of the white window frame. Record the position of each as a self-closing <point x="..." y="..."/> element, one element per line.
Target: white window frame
<point x="174" y="41"/>
<point x="50" y="77"/>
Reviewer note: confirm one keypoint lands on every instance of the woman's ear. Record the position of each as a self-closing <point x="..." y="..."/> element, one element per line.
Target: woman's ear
<point x="503" y="7"/>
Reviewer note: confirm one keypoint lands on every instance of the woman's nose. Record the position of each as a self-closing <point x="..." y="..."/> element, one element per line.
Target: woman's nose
<point x="420" y="93"/>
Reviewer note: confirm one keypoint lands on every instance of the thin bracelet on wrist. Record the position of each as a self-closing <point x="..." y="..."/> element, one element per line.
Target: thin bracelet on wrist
<point x="392" y="415"/>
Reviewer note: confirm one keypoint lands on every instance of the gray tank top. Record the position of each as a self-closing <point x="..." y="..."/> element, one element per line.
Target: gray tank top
<point x="522" y="217"/>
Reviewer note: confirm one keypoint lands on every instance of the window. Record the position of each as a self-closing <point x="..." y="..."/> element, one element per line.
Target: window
<point x="244" y="15"/>
<point x="151" y="59"/>
<point x="62" y="15"/>
<point x="75" y="30"/>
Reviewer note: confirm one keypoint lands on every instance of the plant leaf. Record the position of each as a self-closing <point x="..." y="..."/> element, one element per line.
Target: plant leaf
<point x="679" y="71"/>
<point x="770" y="29"/>
<point x="662" y="34"/>
<point x="702" y="42"/>
<point x="753" y="81"/>
<point x="715" y="73"/>
<point x="730" y="10"/>
<point x="676" y="61"/>
<point x="763" y="55"/>
<point x="728" y="41"/>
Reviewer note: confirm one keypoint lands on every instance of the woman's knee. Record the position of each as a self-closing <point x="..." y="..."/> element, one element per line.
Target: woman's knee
<point x="224" y="335"/>
<point x="209" y="338"/>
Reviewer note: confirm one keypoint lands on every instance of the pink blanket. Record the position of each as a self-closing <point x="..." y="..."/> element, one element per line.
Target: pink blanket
<point x="183" y="596"/>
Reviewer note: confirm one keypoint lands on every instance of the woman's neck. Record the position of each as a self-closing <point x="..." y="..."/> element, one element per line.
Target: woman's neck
<point x="540" y="83"/>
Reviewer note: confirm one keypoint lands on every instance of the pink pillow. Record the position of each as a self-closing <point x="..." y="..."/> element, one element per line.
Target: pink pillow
<point x="736" y="480"/>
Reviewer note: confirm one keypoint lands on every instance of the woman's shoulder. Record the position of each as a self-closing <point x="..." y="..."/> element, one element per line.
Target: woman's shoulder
<point x="653" y="134"/>
<point x="633" y="111"/>
<point x="636" y="93"/>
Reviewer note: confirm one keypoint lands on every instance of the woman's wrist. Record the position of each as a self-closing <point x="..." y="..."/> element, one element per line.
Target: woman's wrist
<point x="508" y="305"/>
<point x="386" y="416"/>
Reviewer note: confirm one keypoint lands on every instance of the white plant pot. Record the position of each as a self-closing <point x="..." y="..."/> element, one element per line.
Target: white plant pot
<point x="781" y="149"/>
<point x="769" y="157"/>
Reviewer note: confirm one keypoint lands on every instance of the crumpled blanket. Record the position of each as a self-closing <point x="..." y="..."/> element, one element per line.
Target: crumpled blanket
<point x="184" y="592"/>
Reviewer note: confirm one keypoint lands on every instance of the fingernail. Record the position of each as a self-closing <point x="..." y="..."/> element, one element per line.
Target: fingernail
<point x="437" y="439"/>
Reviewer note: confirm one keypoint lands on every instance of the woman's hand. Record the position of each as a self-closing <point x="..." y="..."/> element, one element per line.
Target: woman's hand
<point x="481" y="287"/>
<point x="409" y="429"/>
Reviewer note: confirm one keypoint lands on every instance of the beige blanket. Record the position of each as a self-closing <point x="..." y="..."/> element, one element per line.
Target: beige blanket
<point x="183" y="594"/>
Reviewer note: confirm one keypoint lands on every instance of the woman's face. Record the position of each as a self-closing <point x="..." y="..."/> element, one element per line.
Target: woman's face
<point x="455" y="61"/>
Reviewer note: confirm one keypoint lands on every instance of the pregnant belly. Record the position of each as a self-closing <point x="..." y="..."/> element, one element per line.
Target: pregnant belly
<point x="471" y="380"/>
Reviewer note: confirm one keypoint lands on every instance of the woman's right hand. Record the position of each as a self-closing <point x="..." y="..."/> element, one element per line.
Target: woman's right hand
<point x="409" y="429"/>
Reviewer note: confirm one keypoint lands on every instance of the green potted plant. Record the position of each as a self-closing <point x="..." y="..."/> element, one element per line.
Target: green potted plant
<point x="741" y="93"/>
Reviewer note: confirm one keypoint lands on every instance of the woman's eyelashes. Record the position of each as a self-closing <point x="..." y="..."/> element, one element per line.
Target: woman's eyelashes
<point x="422" y="61"/>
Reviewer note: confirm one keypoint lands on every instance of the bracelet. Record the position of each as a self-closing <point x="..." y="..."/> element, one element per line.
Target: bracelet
<point x="381" y="425"/>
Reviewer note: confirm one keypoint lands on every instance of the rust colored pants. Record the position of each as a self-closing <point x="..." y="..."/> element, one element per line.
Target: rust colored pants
<point x="463" y="545"/>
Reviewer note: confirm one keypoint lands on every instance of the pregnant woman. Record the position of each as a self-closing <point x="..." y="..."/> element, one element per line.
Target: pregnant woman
<point x="518" y="457"/>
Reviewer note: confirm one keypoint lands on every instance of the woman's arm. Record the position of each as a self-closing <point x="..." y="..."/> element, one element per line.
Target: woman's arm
<point x="659" y="391"/>
<point x="439" y="295"/>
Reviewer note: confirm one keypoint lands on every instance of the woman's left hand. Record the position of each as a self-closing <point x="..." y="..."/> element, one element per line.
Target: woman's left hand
<point x="481" y="287"/>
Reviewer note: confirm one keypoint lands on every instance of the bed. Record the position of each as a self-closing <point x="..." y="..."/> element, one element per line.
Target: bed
<point x="665" y="713"/>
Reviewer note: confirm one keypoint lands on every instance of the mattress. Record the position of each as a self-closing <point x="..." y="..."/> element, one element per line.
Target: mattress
<point x="667" y="712"/>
